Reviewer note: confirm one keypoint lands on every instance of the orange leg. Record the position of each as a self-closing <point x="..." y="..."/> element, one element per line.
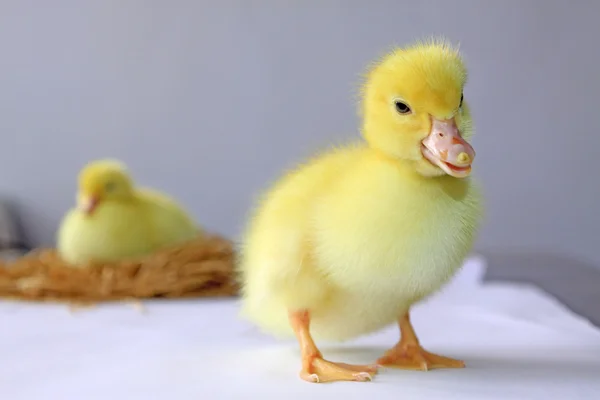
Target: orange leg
<point x="314" y="367"/>
<point x="408" y="353"/>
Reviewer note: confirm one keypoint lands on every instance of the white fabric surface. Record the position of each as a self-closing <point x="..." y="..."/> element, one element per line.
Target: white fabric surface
<point x="518" y="344"/>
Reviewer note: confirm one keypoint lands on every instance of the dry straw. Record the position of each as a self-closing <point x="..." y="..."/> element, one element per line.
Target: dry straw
<point x="202" y="267"/>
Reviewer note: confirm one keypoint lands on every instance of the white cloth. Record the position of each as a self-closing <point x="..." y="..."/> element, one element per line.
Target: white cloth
<point x="518" y="344"/>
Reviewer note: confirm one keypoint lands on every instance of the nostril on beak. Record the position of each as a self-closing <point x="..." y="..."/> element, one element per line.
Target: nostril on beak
<point x="440" y="134"/>
<point x="463" y="158"/>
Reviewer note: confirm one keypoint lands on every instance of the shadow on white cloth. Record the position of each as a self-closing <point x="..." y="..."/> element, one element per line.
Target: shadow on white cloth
<point x="518" y="344"/>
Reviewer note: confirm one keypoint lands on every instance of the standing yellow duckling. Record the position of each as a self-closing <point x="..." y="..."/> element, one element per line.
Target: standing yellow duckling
<point x="114" y="219"/>
<point x="345" y="245"/>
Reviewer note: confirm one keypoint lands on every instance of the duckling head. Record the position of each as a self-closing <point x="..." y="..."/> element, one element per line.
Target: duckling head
<point x="101" y="181"/>
<point x="414" y="109"/>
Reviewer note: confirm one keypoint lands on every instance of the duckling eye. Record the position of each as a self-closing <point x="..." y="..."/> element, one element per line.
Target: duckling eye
<point x="461" y="100"/>
<point x="402" y="108"/>
<point x="109" y="186"/>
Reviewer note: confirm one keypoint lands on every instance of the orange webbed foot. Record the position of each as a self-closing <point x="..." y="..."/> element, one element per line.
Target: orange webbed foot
<point x="315" y="368"/>
<point x="408" y="353"/>
<point x="414" y="357"/>
<point x="320" y="370"/>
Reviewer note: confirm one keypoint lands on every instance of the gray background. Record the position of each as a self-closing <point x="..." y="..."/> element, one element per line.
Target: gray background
<point x="209" y="100"/>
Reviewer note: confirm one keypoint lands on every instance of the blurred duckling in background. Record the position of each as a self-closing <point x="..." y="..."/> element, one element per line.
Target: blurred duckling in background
<point x="114" y="219"/>
<point x="345" y="245"/>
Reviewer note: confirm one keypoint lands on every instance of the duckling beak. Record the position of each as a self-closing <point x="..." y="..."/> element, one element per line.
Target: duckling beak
<point x="446" y="148"/>
<point x="88" y="204"/>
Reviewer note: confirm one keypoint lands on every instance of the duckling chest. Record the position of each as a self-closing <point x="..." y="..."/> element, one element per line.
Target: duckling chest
<point x="398" y="238"/>
<point x="112" y="230"/>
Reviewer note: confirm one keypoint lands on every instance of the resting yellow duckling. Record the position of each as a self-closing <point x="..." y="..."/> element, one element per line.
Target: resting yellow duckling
<point x="114" y="219"/>
<point x="345" y="245"/>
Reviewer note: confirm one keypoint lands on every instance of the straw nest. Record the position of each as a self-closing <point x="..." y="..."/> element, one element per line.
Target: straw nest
<point x="202" y="267"/>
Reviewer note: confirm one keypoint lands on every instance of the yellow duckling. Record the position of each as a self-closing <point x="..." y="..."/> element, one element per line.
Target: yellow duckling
<point x="345" y="245"/>
<point x="114" y="219"/>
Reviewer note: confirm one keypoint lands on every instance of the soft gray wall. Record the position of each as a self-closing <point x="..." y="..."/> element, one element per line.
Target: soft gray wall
<point x="209" y="100"/>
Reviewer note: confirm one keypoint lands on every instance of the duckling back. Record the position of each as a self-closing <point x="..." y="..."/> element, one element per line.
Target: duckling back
<point x="170" y="224"/>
